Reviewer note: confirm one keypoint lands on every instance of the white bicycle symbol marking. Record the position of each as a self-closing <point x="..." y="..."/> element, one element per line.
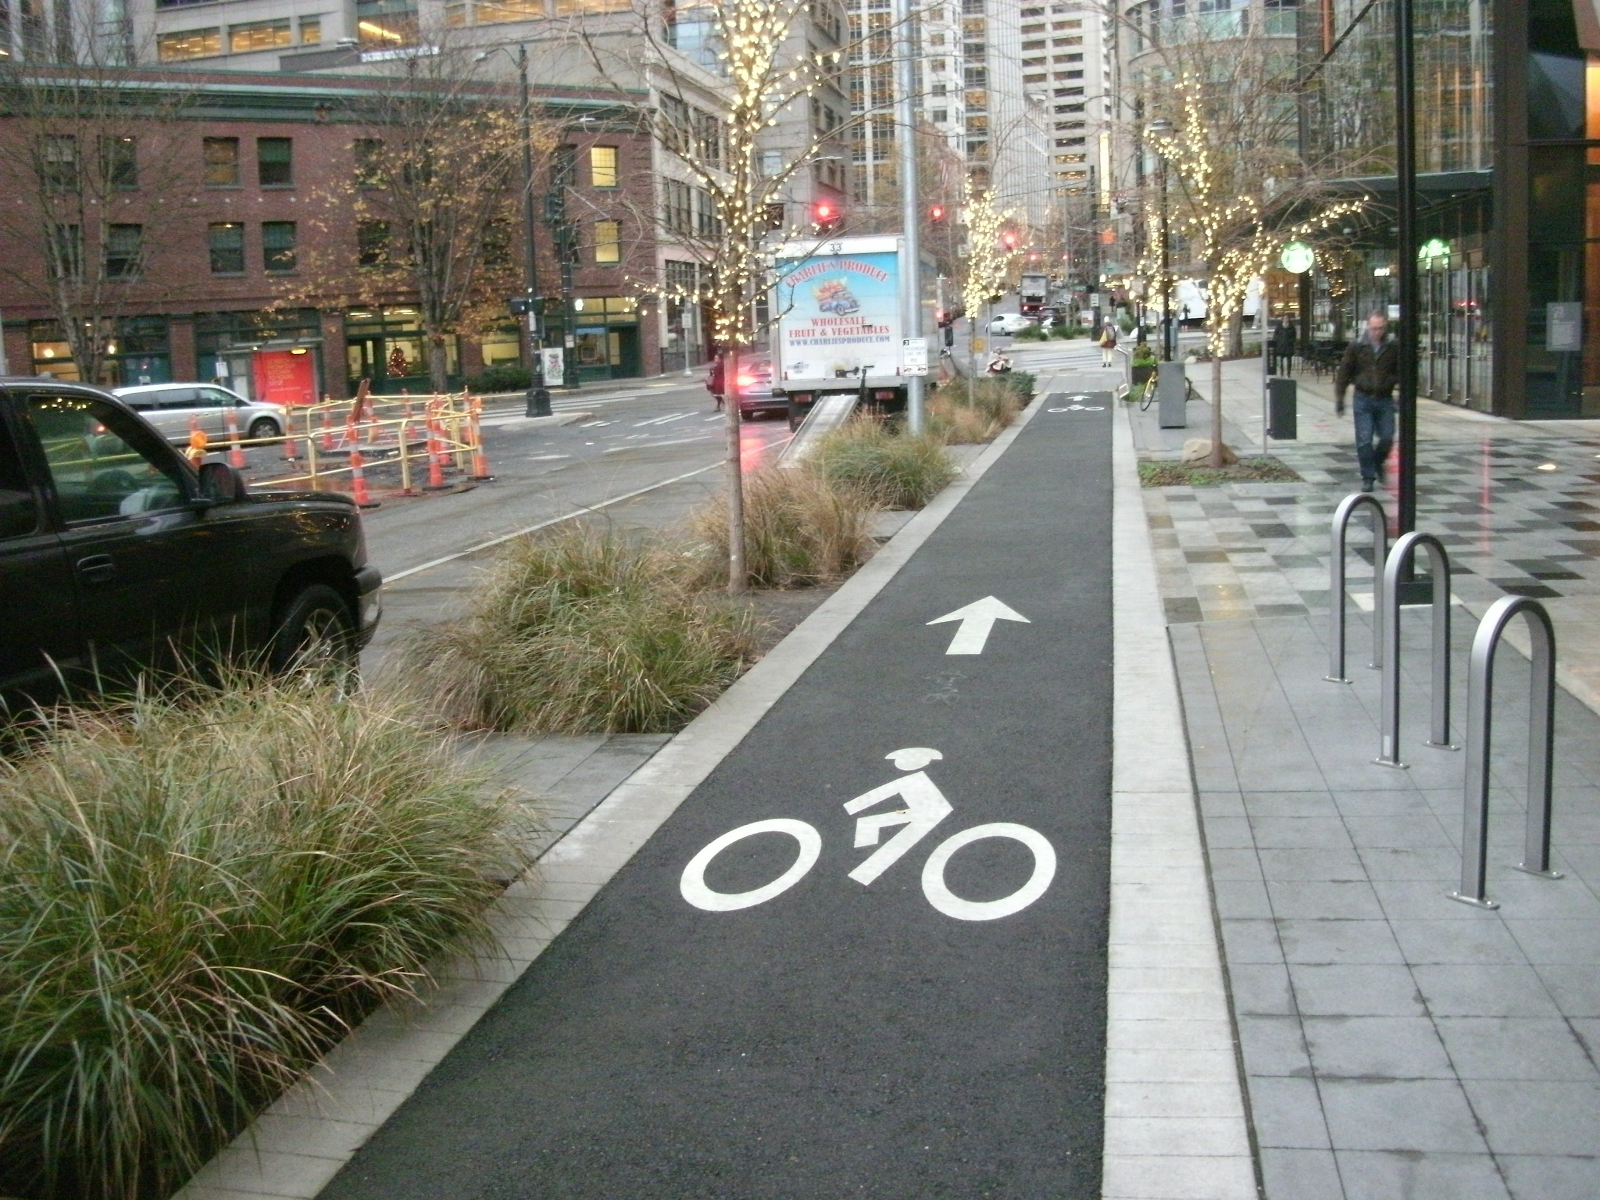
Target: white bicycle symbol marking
<point x="925" y="807"/>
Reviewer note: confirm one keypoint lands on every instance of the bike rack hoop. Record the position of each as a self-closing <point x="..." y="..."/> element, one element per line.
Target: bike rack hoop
<point x="1541" y="742"/>
<point x="1380" y="549"/>
<point x="1389" y="726"/>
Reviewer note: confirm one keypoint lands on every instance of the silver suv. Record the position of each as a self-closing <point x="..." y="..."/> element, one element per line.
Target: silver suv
<point x="169" y="406"/>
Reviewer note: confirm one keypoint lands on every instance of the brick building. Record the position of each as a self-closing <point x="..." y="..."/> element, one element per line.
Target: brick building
<point x="221" y="205"/>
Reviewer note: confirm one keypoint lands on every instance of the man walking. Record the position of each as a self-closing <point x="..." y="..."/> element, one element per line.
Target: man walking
<point x="1371" y="364"/>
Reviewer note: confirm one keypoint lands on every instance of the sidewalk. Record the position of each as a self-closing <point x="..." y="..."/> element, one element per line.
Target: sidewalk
<point x="1396" y="1044"/>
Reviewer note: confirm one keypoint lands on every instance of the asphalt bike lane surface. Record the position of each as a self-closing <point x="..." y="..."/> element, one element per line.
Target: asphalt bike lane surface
<point x="893" y="985"/>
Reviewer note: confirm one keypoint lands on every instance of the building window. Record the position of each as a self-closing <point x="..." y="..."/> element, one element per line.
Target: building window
<point x="275" y="161"/>
<point x="386" y="24"/>
<point x="707" y="138"/>
<point x="124" y="251"/>
<point x="771" y="163"/>
<point x="222" y="162"/>
<point x="226" y="239"/>
<point x="65" y="252"/>
<point x="608" y="241"/>
<point x="603" y="166"/>
<point x="369" y="162"/>
<point x="119" y="159"/>
<point x="189" y="43"/>
<point x="277" y="245"/>
<point x="940" y="116"/>
<point x="311" y="31"/>
<point x="372" y="243"/>
<point x="677" y="214"/>
<point x="60" y="154"/>
<point x="259" y="35"/>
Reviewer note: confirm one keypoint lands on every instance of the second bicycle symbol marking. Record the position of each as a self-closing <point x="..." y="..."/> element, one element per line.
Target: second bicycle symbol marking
<point x="925" y="807"/>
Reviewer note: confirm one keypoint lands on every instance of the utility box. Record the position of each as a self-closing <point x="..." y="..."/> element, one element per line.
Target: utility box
<point x="1172" y="394"/>
<point x="1283" y="404"/>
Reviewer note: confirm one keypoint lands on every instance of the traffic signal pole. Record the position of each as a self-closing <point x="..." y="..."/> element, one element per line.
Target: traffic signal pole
<point x="910" y="205"/>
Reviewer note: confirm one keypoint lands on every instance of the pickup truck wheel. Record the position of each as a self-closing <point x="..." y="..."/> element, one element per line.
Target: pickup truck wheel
<point x="264" y="427"/>
<point x="316" y="636"/>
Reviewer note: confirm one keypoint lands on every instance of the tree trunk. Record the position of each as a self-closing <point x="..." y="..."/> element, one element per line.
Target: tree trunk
<point x="1236" y="335"/>
<point x="1216" y="408"/>
<point x="738" y="578"/>
<point x="438" y="363"/>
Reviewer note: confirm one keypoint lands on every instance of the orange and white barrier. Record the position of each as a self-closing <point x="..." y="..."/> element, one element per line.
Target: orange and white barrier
<point x="235" y="451"/>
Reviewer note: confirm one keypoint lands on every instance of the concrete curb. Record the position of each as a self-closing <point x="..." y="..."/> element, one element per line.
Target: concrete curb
<point x="1175" y="1117"/>
<point x="302" y="1140"/>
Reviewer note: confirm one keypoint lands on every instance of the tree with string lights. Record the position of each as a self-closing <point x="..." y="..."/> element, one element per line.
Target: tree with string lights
<point x="988" y="256"/>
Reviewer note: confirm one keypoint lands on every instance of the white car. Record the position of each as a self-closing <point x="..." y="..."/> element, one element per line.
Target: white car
<point x="1009" y="324"/>
<point x="168" y="406"/>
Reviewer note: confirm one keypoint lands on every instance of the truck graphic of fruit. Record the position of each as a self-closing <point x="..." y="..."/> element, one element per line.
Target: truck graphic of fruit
<point x="834" y="296"/>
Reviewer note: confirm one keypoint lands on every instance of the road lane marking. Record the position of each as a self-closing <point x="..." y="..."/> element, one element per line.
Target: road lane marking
<point x="925" y="807"/>
<point x="693" y="881"/>
<point x="977" y="619"/>
<point x="951" y="905"/>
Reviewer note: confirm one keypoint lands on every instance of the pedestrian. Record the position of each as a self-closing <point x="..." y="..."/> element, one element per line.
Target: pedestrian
<point x="1108" y="344"/>
<point x="715" y="382"/>
<point x="1371" y="365"/>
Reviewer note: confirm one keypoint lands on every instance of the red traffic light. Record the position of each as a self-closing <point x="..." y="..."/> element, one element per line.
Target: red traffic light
<point x="825" y="214"/>
<point x="936" y="214"/>
<point x="1009" y="239"/>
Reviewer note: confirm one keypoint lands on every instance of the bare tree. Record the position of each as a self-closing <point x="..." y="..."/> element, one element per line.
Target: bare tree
<point x="434" y="201"/>
<point x="93" y="168"/>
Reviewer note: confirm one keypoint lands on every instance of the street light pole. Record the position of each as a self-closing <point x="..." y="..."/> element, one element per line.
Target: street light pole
<point x="1406" y="249"/>
<point x="1166" y="271"/>
<point x="538" y="394"/>
<point x="910" y="207"/>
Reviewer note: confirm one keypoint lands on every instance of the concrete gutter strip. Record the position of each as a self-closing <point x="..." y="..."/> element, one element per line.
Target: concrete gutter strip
<point x="1175" y="1116"/>
<point x="298" y="1144"/>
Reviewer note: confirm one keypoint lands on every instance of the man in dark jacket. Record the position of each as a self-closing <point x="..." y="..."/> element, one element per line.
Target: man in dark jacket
<point x="1371" y="364"/>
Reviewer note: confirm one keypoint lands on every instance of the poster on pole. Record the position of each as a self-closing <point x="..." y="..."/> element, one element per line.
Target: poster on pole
<point x="554" y="367"/>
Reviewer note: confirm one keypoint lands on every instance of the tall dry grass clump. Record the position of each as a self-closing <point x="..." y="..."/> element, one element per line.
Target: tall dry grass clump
<point x="579" y="631"/>
<point x="895" y="470"/>
<point x="965" y="412"/>
<point x="197" y="893"/>
<point x="799" y="530"/>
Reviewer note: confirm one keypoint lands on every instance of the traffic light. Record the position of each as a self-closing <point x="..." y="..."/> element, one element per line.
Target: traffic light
<point x="1008" y="239"/>
<point x="936" y="214"/>
<point x="826" y="215"/>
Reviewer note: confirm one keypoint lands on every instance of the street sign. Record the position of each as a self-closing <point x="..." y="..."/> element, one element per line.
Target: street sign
<point x="977" y="619"/>
<point x="913" y="356"/>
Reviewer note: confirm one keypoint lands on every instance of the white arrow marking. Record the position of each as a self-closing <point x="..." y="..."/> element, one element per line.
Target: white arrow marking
<point x="977" y="619"/>
<point x="925" y="808"/>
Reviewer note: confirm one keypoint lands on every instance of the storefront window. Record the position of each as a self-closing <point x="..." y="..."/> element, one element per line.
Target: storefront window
<point x="135" y="352"/>
<point x="387" y="347"/>
<point x="231" y="348"/>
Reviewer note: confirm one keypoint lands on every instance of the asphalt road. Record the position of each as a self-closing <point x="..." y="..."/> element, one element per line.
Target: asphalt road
<point x="842" y="1038"/>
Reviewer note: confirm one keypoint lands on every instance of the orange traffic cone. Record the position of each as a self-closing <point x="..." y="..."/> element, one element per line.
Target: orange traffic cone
<point x="291" y="447"/>
<point x="480" y="460"/>
<point x="235" y="451"/>
<point x="327" y="433"/>
<point x="358" y="481"/>
<point x="435" y="454"/>
<point x="197" y="442"/>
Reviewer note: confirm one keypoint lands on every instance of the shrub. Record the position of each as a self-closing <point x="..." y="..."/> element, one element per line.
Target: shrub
<point x="1063" y="332"/>
<point x="579" y="631"/>
<point x="197" y="894"/>
<point x="1031" y="333"/>
<point x="896" y="470"/>
<point x="960" y="413"/>
<point x="799" y="529"/>
<point x="500" y="379"/>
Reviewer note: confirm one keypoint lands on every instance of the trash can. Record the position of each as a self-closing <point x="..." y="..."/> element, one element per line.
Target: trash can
<point x="1283" y="402"/>
<point x="1172" y="394"/>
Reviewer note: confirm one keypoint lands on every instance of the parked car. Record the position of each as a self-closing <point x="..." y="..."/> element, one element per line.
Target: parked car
<point x="754" y="388"/>
<point x="169" y="406"/>
<point x="117" y="556"/>
<point x="1009" y="324"/>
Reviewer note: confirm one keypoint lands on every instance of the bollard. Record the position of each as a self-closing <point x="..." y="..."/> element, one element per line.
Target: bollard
<point x="235" y="451"/>
<point x="1389" y="725"/>
<point x="1380" y="547"/>
<point x="358" y="480"/>
<point x="480" y="461"/>
<point x="405" y="460"/>
<point x="1541" y="746"/>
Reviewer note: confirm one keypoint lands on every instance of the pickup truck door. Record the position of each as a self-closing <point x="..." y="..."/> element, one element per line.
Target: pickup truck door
<point x="149" y="569"/>
<point x="39" y="631"/>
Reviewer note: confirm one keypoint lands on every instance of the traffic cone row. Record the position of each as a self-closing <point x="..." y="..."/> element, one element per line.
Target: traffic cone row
<point x="235" y="451"/>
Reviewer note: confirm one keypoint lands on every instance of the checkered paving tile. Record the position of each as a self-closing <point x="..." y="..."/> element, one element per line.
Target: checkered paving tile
<point x="1517" y="516"/>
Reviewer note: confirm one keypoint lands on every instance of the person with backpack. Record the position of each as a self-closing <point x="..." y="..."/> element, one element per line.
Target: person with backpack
<point x="1108" y="344"/>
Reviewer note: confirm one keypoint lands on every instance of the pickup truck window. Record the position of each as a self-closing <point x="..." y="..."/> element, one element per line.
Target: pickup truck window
<point x="19" y="510"/>
<point x="97" y="472"/>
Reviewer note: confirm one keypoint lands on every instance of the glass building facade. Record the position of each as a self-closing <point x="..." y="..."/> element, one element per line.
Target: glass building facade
<point x="1508" y="158"/>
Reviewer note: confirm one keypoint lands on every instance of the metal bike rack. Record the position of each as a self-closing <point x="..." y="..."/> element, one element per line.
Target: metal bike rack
<point x="1541" y="741"/>
<point x="1380" y="547"/>
<point x="1389" y="726"/>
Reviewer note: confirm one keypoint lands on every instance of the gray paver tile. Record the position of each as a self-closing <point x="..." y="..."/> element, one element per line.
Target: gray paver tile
<point x="1287" y="1113"/>
<point x="1517" y="1048"/>
<point x="1221" y="804"/>
<point x="1413" y="830"/>
<point x="1300" y="1175"/>
<point x="1388" y="1176"/>
<point x="1228" y="833"/>
<point x="1387" y="803"/>
<point x="1376" y="1048"/>
<point x="1421" y="1115"/>
<point x="1481" y="943"/>
<point x="1353" y="900"/>
<point x="1319" y="803"/>
<point x="1242" y="899"/>
<point x="1348" y="990"/>
<point x="1506" y="990"/>
<point x="1330" y="865"/>
<point x="1338" y="941"/>
<point x="1569" y="943"/>
<point x="1421" y="900"/>
<point x="1300" y="833"/>
<point x="1251" y="942"/>
<point x="1520" y="1116"/>
<point x="1429" y="863"/>
<point x="1235" y="864"/>
<point x="1576" y="989"/>
<point x="1261" y="989"/>
<point x="1273" y="1046"/>
<point x="1545" y="1177"/>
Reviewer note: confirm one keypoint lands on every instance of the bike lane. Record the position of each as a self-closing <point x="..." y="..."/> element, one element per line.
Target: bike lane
<point x="918" y="1013"/>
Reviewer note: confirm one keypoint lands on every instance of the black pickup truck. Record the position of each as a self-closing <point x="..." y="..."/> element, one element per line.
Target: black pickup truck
<point x="117" y="556"/>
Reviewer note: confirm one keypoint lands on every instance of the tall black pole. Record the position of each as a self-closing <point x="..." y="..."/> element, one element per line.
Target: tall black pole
<point x="1166" y="272"/>
<point x="1406" y="249"/>
<point x="538" y="394"/>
